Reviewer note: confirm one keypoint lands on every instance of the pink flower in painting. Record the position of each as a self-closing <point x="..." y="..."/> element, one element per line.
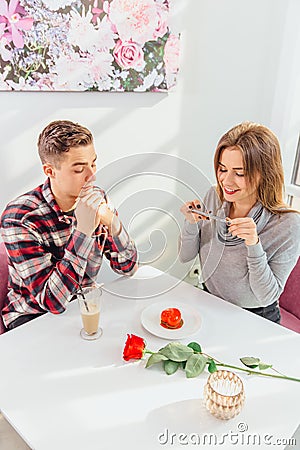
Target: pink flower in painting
<point x="12" y="16"/>
<point x="162" y="25"/>
<point x="96" y="12"/>
<point x="129" y="55"/>
<point x="171" y="54"/>
<point x="135" y="20"/>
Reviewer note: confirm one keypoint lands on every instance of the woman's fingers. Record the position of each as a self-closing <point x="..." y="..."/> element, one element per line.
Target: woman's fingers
<point x="186" y="211"/>
<point x="189" y="215"/>
<point x="244" y="228"/>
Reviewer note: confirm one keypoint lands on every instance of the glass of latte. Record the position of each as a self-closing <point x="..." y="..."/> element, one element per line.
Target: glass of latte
<point x="90" y="302"/>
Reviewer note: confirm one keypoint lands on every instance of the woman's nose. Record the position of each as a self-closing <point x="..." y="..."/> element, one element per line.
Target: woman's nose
<point x="228" y="177"/>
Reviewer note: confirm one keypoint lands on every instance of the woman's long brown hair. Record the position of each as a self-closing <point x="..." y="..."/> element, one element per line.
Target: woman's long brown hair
<point x="262" y="159"/>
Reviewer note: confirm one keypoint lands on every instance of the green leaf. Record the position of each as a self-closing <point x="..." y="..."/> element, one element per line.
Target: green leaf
<point x="170" y="367"/>
<point x="154" y="359"/>
<point x="212" y="366"/>
<point x="250" y="361"/>
<point x="176" y="351"/>
<point x="183" y="364"/>
<point x="195" y="346"/>
<point x="263" y="366"/>
<point x="195" y="365"/>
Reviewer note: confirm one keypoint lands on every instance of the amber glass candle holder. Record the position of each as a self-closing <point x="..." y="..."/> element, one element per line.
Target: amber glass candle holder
<point x="224" y="394"/>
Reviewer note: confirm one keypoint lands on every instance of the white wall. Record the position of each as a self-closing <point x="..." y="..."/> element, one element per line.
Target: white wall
<point x="239" y="62"/>
<point x="285" y="116"/>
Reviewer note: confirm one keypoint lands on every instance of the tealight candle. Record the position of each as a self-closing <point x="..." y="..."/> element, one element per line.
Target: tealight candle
<point x="224" y="394"/>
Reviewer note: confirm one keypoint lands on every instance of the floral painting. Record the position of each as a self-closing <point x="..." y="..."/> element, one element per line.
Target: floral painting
<point x="87" y="45"/>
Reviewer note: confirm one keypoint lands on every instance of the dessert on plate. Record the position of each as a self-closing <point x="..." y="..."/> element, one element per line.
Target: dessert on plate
<point x="171" y="318"/>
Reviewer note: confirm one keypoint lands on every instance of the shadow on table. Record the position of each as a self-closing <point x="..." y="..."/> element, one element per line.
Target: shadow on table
<point x="176" y="425"/>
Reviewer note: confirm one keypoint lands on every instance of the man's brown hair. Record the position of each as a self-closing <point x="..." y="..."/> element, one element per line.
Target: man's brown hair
<point x="58" y="137"/>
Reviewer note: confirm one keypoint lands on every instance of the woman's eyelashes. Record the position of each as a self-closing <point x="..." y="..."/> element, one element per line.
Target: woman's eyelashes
<point x="239" y="174"/>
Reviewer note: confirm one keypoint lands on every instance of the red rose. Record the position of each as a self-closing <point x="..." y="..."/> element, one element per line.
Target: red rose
<point x="134" y="347"/>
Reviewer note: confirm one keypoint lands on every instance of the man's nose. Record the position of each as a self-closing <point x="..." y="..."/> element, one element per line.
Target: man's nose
<point x="90" y="176"/>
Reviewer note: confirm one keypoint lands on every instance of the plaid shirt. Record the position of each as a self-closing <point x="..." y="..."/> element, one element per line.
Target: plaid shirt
<point x="46" y="251"/>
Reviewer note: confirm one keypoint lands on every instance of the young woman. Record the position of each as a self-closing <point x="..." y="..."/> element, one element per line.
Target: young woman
<point x="247" y="258"/>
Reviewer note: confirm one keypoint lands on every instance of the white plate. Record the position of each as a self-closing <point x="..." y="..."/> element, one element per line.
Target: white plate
<point x="150" y="319"/>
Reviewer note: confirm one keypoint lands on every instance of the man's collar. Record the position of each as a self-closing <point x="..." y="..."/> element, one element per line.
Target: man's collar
<point x="49" y="197"/>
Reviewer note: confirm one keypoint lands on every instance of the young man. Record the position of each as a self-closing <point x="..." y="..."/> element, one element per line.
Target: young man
<point x="56" y="234"/>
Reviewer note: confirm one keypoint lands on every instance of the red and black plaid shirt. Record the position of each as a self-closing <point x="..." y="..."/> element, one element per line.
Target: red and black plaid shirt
<point x="46" y="251"/>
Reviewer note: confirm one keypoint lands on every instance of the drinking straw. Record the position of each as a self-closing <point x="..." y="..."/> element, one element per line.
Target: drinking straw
<point x="80" y="292"/>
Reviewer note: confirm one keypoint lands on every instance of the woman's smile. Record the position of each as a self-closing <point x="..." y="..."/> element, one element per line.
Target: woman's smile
<point x="229" y="191"/>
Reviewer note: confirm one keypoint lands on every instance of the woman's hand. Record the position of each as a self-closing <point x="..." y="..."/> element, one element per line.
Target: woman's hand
<point x="189" y="216"/>
<point x="244" y="228"/>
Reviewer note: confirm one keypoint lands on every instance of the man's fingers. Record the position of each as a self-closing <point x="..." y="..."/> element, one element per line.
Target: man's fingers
<point x="91" y="197"/>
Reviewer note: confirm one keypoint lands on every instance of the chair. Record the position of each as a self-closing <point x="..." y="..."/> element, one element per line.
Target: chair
<point x="3" y="281"/>
<point x="289" y="301"/>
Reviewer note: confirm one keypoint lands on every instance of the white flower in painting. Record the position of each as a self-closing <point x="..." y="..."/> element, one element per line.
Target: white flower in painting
<point x="5" y="54"/>
<point x="71" y="73"/>
<point x="100" y="66"/>
<point x="24" y="85"/>
<point x="124" y="74"/>
<point x="149" y="81"/>
<point x="105" y="84"/>
<point x="105" y="37"/>
<point x="116" y="85"/>
<point x="3" y="84"/>
<point x="158" y="80"/>
<point x="54" y="5"/>
<point x="18" y="86"/>
<point x="135" y="20"/>
<point x="82" y="32"/>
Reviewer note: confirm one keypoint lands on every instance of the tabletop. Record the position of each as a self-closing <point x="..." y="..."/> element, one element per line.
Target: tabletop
<point x="61" y="392"/>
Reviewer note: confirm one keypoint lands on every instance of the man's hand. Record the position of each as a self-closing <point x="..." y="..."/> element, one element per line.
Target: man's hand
<point x="107" y="217"/>
<point x="92" y="211"/>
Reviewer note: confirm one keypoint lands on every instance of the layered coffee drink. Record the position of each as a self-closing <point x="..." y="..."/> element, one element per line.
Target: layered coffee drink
<point x="90" y="319"/>
<point x="89" y="302"/>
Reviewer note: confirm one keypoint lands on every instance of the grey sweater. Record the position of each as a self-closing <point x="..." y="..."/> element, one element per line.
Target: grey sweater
<point x="248" y="276"/>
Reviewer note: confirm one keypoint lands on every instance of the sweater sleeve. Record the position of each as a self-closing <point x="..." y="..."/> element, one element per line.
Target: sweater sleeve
<point x="267" y="277"/>
<point x="189" y="242"/>
<point x="189" y="239"/>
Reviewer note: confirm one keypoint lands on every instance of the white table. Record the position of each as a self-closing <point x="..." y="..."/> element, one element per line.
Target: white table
<point x="63" y="393"/>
